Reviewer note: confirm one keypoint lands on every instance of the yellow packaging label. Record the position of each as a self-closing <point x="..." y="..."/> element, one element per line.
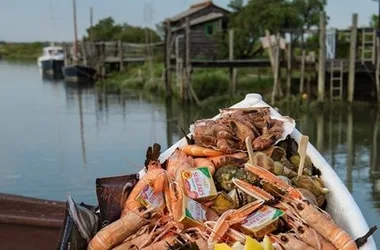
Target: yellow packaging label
<point x="148" y="199"/>
<point x="198" y="183"/>
<point x="262" y="221"/>
<point x="192" y="214"/>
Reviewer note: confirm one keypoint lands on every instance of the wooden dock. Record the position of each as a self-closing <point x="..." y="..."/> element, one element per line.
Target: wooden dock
<point x="100" y="54"/>
<point x="336" y="75"/>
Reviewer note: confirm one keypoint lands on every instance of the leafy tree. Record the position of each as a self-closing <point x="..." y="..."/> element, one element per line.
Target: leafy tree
<point x="308" y="12"/>
<point x="104" y="30"/>
<point x="373" y="21"/>
<point x="107" y="30"/>
<point x="251" y="20"/>
<point x="236" y="5"/>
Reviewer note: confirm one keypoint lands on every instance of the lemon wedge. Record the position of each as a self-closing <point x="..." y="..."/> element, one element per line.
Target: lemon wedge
<point x="222" y="246"/>
<point x="237" y="246"/>
<point x="252" y="244"/>
<point x="267" y="243"/>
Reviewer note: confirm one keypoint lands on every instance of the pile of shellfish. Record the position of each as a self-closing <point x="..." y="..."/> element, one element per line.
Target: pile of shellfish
<point x="235" y="185"/>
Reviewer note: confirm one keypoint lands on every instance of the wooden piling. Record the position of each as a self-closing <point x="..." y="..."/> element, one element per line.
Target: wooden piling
<point x="91" y="33"/>
<point x="187" y="61"/>
<point x="289" y="68"/>
<point x="322" y="56"/>
<point x="121" y="55"/>
<point x="231" y="57"/>
<point x="378" y="69"/>
<point x="270" y="50"/>
<point x="302" y="73"/>
<point x="276" y="60"/>
<point x="168" y="77"/>
<point x="84" y="52"/>
<point x="352" y="60"/>
<point x="66" y="54"/>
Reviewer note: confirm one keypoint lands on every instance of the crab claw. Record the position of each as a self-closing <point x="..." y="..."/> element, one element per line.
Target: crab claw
<point x="232" y="234"/>
<point x="230" y="218"/>
<point x="267" y="176"/>
<point x="251" y="190"/>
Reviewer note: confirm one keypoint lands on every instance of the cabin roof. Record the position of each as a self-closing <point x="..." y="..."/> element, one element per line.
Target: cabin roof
<point x="202" y="19"/>
<point x="52" y="48"/>
<point x="193" y="9"/>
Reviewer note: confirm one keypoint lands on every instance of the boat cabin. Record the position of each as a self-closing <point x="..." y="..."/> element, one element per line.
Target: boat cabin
<point x="52" y="50"/>
<point x="206" y="20"/>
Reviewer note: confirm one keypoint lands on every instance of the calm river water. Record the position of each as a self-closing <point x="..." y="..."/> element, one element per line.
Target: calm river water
<point x="56" y="139"/>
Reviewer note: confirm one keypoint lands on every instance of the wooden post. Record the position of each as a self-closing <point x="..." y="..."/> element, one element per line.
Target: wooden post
<point x="289" y="68"/>
<point x="231" y="57"/>
<point x="121" y="55"/>
<point x="91" y="26"/>
<point x="377" y="73"/>
<point x="169" y="122"/>
<point x="276" y="69"/>
<point x="308" y="79"/>
<point x="302" y="73"/>
<point x="322" y="56"/>
<point x="66" y="54"/>
<point x="187" y="62"/>
<point x="168" y="77"/>
<point x="270" y="50"/>
<point x="352" y="62"/>
<point x="84" y="52"/>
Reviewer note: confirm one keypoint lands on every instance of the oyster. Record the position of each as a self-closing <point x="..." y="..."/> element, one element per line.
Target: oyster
<point x="224" y="175"/>
<point x="314" y="185"/>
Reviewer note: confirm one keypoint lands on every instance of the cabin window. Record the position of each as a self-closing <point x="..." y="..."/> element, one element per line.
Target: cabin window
<point x="210" y="29"/>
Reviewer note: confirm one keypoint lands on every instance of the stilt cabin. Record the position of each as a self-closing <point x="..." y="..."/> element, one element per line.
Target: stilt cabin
<point x="206" y="20"/>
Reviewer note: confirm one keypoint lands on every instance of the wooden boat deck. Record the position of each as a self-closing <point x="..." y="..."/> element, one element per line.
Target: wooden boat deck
<point x="29" y="223"/>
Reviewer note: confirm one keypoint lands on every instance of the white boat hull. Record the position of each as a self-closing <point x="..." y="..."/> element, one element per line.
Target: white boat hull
<point x="340" y="203"/>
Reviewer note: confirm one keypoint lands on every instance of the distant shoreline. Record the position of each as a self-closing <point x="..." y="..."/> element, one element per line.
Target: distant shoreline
<point x="21" y="51"/>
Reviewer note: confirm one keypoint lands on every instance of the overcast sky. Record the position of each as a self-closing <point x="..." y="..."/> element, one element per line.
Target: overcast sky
<point x="31" y="20"/>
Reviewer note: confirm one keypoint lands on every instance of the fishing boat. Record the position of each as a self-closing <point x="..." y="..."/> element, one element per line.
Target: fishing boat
<point x="340" y="203"/>
<point x="29" y="223"/>
<point x="51" y="61"/>
<point x="76" y="70"/>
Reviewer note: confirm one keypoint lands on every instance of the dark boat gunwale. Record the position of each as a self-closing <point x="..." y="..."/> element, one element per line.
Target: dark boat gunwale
<point x="21" y="210"/>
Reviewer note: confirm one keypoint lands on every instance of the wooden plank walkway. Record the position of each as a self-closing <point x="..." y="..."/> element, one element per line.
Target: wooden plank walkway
<point x="116" y="59"/>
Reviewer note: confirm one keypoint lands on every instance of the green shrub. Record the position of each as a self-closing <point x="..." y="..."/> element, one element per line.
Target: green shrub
<point x="208" y="83"/>
<point x="249" y="84"/>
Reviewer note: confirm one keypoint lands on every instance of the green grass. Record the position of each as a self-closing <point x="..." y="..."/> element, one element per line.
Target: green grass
<point x="21" y="51"/>
<point x="210" y="85"/>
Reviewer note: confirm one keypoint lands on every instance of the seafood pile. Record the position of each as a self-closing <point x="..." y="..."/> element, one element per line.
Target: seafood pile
<point x="234" y="186"/>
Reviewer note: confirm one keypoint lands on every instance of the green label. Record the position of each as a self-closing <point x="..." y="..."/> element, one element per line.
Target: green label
<point x="206" y="171"/>
<point x="277" y="214"/>
<point x="188" y="214"/>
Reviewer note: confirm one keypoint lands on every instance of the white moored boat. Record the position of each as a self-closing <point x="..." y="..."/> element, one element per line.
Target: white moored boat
<point x="51" y="61"/>
<point x="340" y="203"/>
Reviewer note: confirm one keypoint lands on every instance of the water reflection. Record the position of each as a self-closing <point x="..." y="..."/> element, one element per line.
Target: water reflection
<point x="83" y="143"/>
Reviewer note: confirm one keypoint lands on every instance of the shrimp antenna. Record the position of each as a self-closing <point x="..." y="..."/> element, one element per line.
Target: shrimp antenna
<point x="362" y="240"/>
<point x="190" y="141"/>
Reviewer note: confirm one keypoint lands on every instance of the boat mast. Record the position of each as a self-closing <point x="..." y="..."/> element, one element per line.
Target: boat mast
<point x="91" y="26"/>
<point x="75" y="30"/>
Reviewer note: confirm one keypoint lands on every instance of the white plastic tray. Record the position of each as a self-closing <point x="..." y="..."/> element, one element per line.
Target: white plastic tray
<point x="341" y="205"/>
